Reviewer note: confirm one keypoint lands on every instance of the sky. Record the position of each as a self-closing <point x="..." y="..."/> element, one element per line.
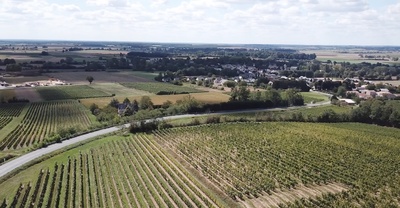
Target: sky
<point x="302" y="22"/>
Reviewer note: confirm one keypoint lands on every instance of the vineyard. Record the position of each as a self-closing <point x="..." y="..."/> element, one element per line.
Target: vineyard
<point x="128" y="172"/>
<point x="70" y="92"/>
<point x="9" y="111"/>
<point x="160" y="88"/>
<point x="254" y="162"/>
<point x="42" y="119"/>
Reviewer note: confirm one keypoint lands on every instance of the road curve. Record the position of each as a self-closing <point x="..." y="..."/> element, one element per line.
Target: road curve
<point x="24" y="159"/>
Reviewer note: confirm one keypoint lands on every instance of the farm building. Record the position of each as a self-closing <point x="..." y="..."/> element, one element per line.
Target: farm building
<point x="347" y="101"/>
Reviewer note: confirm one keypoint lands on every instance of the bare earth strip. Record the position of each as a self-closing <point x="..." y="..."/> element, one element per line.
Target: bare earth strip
<point x="289" y="196"/>
<point x="28" y="93"/>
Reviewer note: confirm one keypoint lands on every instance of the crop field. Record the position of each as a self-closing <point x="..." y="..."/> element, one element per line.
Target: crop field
<point x="44" y="118"/>
<point x="101" y="77"/>
<point x="157" y="87"/>
<point x="118" y="90"/>
<point x="262" y="115"/>
<point x="70" y="92"/>
<point x="348" y="164"/>
<point x="128" y="172"/>
<point x="205" y="97"/>
<point x="8" y="112"/>
<point x="350" y="56"/>
<point x="28" y="93"/>
<point x="6" y="94"/>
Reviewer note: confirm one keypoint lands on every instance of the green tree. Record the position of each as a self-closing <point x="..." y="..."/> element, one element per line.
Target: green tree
<point x="89" y="79"/>
<point x="341" y="91"/>
<point x="230" y="84"/>
<point x="274" y="96"/>
<point x="293" y="97"/>
<point x="13" y="68"/>
<point x="145" y="103"/>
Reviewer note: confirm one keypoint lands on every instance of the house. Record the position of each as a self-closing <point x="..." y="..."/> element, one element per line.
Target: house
<point x="370" y="93"/>
<point x="386" y="95"/>
<point x="3" y="85"/>
<point x="347" y="101"/>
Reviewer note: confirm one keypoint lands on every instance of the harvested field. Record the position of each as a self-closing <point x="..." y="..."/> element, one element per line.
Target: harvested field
<point x="99" y="77"/>
<point x="6" y="94"/>
<point x="28" y="93"/>
<point x="205" y="97"/>
<point x="118" y="90"/>
<point x="70" y="92"/>
<point x="161" y="88"/>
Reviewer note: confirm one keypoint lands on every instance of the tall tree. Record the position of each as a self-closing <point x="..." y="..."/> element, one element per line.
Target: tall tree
<point x="89" y="79"/>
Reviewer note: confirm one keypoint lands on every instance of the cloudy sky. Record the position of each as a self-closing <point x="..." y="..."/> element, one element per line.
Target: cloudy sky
<point x="328" y="22"/>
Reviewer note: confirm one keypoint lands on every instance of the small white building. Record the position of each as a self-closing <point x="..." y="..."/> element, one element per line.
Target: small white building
<point x="347" y="101"/>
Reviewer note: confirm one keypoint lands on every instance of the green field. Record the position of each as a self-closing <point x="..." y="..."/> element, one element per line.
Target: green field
<point x="157" y="87"/>
<point x="70" y="92"/>
<point x="40" y="120"/>
<point x="312" y="97"/>
<point x="9" y="111"/>
<point x="221" y="165"/>
<point x="251" y="160"/>
<point x="124" y="172"/>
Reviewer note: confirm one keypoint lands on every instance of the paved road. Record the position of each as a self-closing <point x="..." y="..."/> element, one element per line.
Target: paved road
<point x="20" y="161"/>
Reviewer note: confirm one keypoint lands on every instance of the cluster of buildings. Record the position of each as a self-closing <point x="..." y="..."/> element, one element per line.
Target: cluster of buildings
<point x="363" y="93"/>
<point x="50" y="82"/>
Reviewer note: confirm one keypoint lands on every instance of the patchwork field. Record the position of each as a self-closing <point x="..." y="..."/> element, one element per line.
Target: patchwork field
<point x="159" y="87"/>
<point x="38" y="121"/>
<point x="70" y="92"/>
<point x="285" y="164"/>
<point x="350" y="56"/>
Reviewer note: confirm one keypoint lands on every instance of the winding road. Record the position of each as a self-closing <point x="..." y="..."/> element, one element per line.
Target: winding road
<point x="24" y="159"/>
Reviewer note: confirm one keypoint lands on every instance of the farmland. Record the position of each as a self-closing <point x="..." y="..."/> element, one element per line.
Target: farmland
<point x="256" y="164"/>
<point x="352" y="56"/>
<point x="102" y="77"/>
<point x="8" y="112"/>
<point x="157" y="87"/>
<point x="6" y="94"/>
<point x="70" y="92"/>
<point x="312" y="97"/>
<point x="260" y="159"/>
<point x="118" y="90"/>
<point x="124" y="172"/>
<point x="206" y="97"/>
<point x="310" y="112"/>
<point x="41" y="120"/>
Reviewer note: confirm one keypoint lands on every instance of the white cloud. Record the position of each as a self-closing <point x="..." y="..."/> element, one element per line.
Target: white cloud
<point x="243" y="21"/>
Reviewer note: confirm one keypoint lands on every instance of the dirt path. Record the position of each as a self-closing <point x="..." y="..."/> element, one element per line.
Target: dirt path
<point x="289" y="196"/>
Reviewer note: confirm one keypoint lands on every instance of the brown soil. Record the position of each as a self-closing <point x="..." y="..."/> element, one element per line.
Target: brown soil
<point x="289" y="196"/>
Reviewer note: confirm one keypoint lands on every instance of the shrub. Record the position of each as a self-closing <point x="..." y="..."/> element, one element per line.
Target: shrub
<point x="213" y="119"/>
